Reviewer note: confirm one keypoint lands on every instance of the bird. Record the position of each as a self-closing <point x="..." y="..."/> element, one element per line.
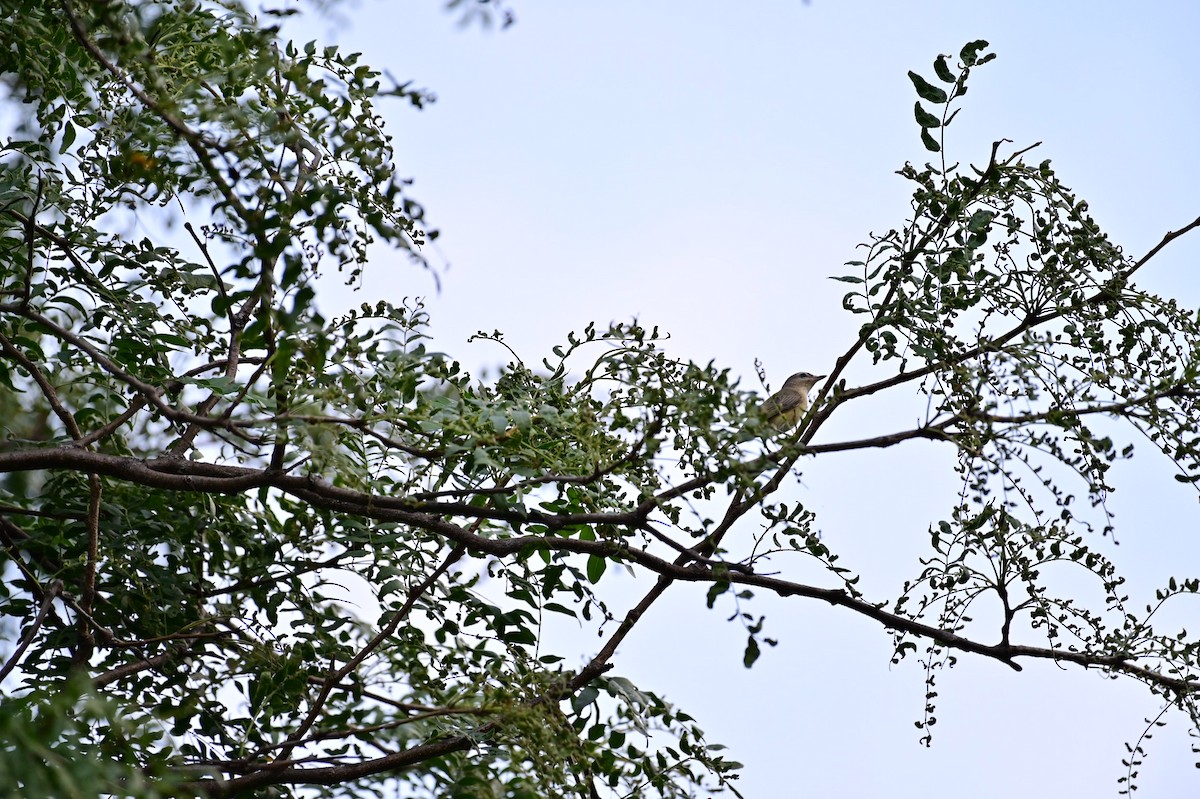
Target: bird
<point x="785" y="407"/>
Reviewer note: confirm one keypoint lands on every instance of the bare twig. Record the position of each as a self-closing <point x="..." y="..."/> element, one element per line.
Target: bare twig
<point x="48" y="597"/>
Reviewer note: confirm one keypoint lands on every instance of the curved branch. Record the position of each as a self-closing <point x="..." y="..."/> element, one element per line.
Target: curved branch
<point x="177" y="475"/>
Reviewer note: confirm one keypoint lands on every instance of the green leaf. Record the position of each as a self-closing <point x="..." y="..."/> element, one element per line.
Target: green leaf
<point x="68" y="137"/>
<point x="930" y="143"/>
<point x="519" y="635"/>
<point x="943" y="70"/>
<point x="624" y="688"/>
<point x="924" y="118"/>
<point x="970" y="53"/>
<point x="752" y="652"/>
<point x="584" y="698"/>
<point x="926" y="90"/>
<point x="555" y="607"/>
<point x="595" y="568"/>
<point x="715" y="590"/>
<point x="980" y="221"/>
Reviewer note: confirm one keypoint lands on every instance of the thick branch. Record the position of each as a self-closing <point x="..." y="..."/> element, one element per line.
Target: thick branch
<point x="324" y="495"/>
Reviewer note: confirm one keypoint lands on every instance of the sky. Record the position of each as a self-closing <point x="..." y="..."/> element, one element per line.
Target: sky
<point x="705" y="167"/>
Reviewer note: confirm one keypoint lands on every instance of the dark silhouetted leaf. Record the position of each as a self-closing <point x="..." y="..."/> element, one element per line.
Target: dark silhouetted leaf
<point x="927" y="91"/>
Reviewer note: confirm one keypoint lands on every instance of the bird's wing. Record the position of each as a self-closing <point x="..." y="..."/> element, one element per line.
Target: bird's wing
<point x="780" y="403"/>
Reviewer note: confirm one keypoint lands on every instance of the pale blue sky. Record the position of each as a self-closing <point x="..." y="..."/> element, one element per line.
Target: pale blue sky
<point x="705" y="166"/>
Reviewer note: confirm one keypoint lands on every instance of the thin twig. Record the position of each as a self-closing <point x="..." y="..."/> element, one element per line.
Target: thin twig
<point x="49" y="594"/>
<point x="318" y="704"/>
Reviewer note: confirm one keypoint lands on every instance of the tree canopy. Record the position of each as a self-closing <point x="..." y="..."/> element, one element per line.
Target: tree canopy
<point x="197" y="461"/>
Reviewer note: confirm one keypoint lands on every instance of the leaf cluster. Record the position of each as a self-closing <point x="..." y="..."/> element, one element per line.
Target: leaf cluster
<point x="268" y="550"/>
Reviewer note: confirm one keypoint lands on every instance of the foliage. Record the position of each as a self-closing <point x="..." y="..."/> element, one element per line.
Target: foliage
<point x="204" y="474"/>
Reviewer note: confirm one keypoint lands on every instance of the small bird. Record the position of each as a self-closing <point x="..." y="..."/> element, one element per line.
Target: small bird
<point x="785" y="407"/>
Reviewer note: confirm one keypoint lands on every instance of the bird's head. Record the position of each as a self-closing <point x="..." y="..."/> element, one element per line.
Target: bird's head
<point x="802" y="381"/>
